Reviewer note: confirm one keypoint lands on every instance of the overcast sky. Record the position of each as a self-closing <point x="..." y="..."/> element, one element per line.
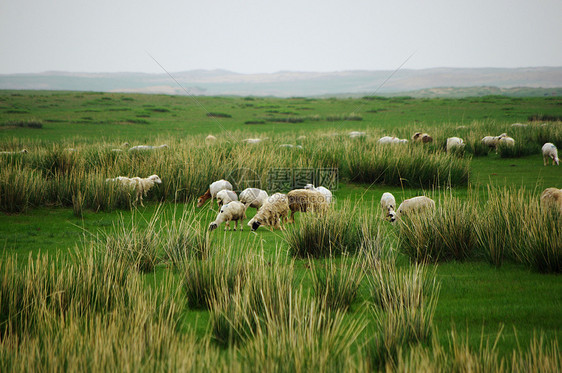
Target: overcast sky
<point x="267" y="36"/>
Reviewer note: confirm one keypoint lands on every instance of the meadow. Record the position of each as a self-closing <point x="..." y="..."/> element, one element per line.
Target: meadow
<point x="90" y="281"/>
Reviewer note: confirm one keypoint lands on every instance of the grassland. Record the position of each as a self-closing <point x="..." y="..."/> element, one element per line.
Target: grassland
<point x="222" y="299"/>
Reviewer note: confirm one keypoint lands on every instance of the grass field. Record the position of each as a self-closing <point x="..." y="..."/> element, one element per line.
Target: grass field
<point x="240" y="300"/>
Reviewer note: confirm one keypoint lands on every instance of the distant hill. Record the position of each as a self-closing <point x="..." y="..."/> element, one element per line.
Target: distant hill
<point x="443" y="82"/>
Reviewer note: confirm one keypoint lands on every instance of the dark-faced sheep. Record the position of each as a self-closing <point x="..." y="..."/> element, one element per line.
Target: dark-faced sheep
<point x="274" y="211"/>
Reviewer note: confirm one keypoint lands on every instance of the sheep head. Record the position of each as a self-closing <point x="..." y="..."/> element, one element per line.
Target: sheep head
<point x="213" y="226"/>
<point x="155" y="179"/>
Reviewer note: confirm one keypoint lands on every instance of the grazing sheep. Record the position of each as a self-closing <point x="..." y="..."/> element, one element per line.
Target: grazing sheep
<point x="549" y="151"/>
<point x="253" y="197"/>
<point x="23" y="151"/>
<point x="518" y="125"/>
<point x="492" y="141"/>
<point x="391" y="140"/>
<point x="210" y="139"/>
<point x="325" y="191"/>
<point x="211" y="193"/>
<point x="233" y="211"/>
<point x="415" y="204"/>
<point x="355" y="134"/>
<point x="141" y="186"/>
<point x="552" y="198"/>
<point x="147" y="147"/>
<point x="506" y="140"/>
<point x="302" y="137"/>
<point x="388" y="205"/>
<point x="290" y="146"/>
<point x="304" y="200"/>
<point x="274" y="211"/>
<point x="254" y="141"/>
<point x="454" y="142"/>
<point x="226" y="196"/>
<point x="422" y="137"/>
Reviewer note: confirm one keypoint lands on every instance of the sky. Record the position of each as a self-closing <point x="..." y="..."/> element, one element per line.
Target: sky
<point x="266" y="36"/>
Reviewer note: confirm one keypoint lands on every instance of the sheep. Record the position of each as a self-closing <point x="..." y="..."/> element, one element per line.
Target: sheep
<point x="274" y="211"/>
<point x="211" y="193"/>
<point x="23" y="151"/>
<point x="300" y="138"/>
<point x="518" y="125"/>
<point x="116" y="150"/>
<point x="492" y="141"/>
<point x="415" y="204"/>
<point x="226" y="196"/>
<point x="391" y="140"/>
<point x="141" y="186"/>
<point x="355" y="134"/>
<point x="552" y="198"/>
<point x="388" y="205"/>
<point x="254" y="141"/>
<point x="549" y="151"/>
<point x="325" y="191"/>
<point x="454" y="142"/>
<point x="506" y="140"/>
<point x="125" y="145"/>
<point x="422" y="137"/>
<point x="210" y="139"/>
<point x="232" y="211"/>
<point x="304" y="200"/>
<point x="147" y="147"/>
<point x="290" y="146"/>
<point x="253" y="197"/>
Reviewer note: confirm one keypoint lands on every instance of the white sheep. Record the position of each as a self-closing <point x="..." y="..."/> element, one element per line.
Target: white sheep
<point x="148" y="147"/>
<point x="210" y="139"/>
<point x="454" y="142"/>
<point x="23" y="151"/>
<point x="274" y="211"/>
<point x="518" y="125"/>
<point x="506" y="140"/>
<point x="233" y="211"/>
<point x="388" y="205"/>
<point x="355" y="134"/>
<point x="304" y="200"/>
<point x="391" y="140"/>
<point x="253" y="197"/>
<point x="214" y="188"/>
<point x="302" y="137"/>
<point x="290" y="146"/>
<point x="414" y="205"/>
<point x="325" y="191"/>
<point x="492" y="141"/>
<point x="226" y="196"/>
<point x="141" y="186"/>
<point x="254" y="141"/>
<point x="549" y="151"/>
<point x="552" y="198"/>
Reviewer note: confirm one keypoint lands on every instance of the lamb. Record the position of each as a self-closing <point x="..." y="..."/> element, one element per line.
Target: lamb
<point x="253" y="197"/>
<point x="210" y="139"/>
<point x="275" y="210"/>
<point x="233" y="211"/>
<point x="226" y="196"/>
<point x="549" y="151"/>
<point x="388" y="205"/>
<point x="454" y="142"/>
<point x="422" y="137"/>
<point x="141" y="186"/>
<point x="391" y="140"/>
<point x="325" y="191"/>
<point x="23" y="151"/>
<point x="506" y="140"/>
<point x="254" y="141"/>
<point x="211" y="193"/>
<point x="492" y="141"/>
<point x="355" y="134"/>
<point x="552" y="198"/>
<point x="147" y="147"/>
<point x="414" y="205"/>
<point x="304" y="200"/>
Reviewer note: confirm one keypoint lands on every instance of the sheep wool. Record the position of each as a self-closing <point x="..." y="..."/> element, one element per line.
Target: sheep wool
<point x="140" y="186"/>
<point x="552" y="198"/>
<point x="415" y="205"/>
<point x="211" y="193"/>
<point x="388" y="205"/>
<point x="253" y="197"/>
<point x="226" y="196"/>
<point x="549" y="151"/>
<point x="304" y="200"/>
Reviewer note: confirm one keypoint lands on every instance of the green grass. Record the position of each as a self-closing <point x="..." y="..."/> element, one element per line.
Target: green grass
<point x="476" y="299"/>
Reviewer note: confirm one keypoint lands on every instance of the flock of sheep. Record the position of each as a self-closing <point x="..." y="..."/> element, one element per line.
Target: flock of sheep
<point x="272" y="210"/>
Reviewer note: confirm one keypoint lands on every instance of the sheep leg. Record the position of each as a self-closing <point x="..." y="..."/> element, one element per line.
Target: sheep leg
<point x="292" y="217"/>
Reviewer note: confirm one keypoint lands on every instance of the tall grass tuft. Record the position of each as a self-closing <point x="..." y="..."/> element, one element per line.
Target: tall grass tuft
<point x="337" y="284"/>
<point x="446" y="234"/>
<point x="333" y="233"/>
